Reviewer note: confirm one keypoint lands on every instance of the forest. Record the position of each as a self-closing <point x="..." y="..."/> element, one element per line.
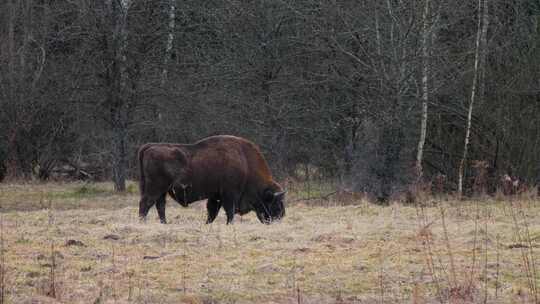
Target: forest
<point x="405" y="133"/>
<point x="376" y="95"/>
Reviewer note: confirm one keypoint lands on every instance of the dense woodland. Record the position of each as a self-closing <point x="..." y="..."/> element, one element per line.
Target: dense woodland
<point x="375" y="94"/>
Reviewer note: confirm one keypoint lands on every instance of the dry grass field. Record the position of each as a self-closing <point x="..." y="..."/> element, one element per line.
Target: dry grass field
<point x="78" y="243"/>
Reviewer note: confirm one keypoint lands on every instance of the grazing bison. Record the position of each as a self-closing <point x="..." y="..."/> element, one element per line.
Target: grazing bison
<point x="229" y="171"/>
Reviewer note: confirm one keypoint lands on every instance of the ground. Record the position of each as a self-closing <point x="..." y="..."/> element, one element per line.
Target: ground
<point x="439" y="251"/>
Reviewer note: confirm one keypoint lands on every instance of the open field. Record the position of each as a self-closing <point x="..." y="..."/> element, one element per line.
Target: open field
<point x="450" y="252"/>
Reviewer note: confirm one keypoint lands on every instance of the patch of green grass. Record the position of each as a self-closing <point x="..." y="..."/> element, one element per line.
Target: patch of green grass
<point x="312" y="189"/>
<point x="23" y="240"/>
<point x="132" y="188"/>
<point x="84" y="191"/>
<point x="63" y="196"/>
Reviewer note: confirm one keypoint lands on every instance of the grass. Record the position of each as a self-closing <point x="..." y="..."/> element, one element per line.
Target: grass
<point x="359" y="253"/>
<point x="36" y="196"/>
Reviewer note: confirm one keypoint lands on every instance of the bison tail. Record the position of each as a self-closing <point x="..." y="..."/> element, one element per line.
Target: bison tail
<point x="140" y="155"/>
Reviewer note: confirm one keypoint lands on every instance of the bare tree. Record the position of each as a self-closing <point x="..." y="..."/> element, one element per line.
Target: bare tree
<point x="425" y="81"/>
<point x="170" y="40"/>
<point x="480" y="53"/>
<point x="353" y="88"/>
<point x="119" y="99"/>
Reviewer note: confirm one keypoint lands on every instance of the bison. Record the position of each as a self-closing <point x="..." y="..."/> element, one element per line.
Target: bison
<point x="229" y="171"/>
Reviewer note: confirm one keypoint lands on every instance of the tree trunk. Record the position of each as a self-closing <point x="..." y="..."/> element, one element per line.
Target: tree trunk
<point x="157" y="133"/>
<point x="119" y="98"/>
<point x="538" y="181"/>
<point x="12" y="160"/>
<point x="119" y="157"/>
<point x="425" y="75"/>
<point x="481" y="41"/>
<point x="170" y="41"/>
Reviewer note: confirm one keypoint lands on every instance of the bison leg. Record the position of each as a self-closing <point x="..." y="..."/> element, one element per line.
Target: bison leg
<point x="212" y="206"/>
<point x="160" y="206"/>
<point x="144" y="205"/>
<point x="228" y="202"/>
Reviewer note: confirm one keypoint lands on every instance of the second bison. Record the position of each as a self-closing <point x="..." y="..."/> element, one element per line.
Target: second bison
<point x="229" y="171"/>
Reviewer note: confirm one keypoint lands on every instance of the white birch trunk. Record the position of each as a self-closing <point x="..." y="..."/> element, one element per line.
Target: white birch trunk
<point x="379" y="49"/>
<point x="425" y="78"/>
<point x="170" y="41"/>
<point x="483" y="22"/>
<point x="122" y="45"/>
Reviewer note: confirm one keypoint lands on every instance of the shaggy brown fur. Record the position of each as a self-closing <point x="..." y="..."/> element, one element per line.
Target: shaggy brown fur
<point x="229" y="171"/>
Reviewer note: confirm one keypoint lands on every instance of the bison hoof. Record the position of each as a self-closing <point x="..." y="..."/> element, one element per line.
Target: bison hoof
<point x="163" y="221"/>
<point x="142" y="219"/>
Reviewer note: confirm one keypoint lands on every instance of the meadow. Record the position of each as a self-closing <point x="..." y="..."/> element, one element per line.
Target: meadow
<point x="83" y="243"/>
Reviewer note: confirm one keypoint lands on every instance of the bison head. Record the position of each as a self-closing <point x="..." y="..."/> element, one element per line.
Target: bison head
<point x="270" y="206"/>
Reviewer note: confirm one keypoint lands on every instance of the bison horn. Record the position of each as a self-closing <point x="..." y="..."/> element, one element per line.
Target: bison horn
<point x="280" y="194"/>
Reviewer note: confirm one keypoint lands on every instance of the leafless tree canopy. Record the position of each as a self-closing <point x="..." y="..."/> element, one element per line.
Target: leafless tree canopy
<point x="353" y="89"/>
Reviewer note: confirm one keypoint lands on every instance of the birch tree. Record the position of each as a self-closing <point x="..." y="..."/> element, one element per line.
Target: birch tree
<point x="157" y="131"/>
<point x="479" y="58"/>
<point x="169" y="42"/>
<point x="425" y="79"/>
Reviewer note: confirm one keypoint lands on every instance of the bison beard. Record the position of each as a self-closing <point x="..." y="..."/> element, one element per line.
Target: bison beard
<point x="228" y="171"/>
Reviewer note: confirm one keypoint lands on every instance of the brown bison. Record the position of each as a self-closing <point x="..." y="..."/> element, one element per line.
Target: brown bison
<point x="229" y="171"/>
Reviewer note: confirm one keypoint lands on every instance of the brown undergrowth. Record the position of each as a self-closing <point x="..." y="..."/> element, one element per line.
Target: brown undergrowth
<point x="433" y="252"/>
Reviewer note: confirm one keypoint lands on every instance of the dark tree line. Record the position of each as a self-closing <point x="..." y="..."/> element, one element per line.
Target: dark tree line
<point x="341" y="87"/>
